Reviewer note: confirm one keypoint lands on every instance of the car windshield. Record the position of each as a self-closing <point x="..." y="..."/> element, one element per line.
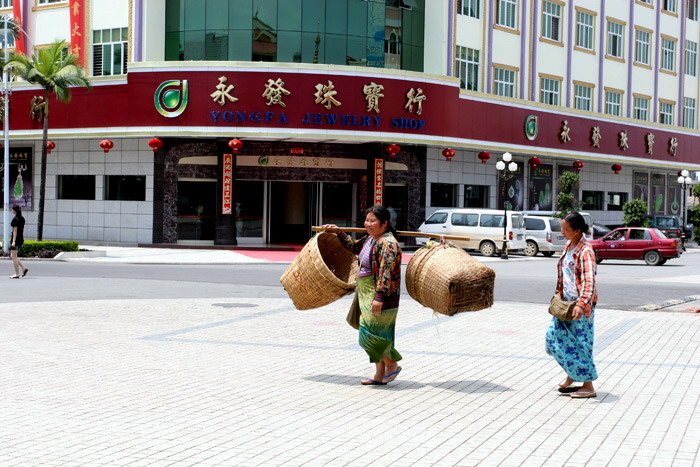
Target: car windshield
<point x="437" y="218"/>
<point x="659" y="233"/>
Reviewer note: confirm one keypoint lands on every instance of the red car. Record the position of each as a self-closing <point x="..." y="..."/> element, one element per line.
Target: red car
<point x="651" y="245"/>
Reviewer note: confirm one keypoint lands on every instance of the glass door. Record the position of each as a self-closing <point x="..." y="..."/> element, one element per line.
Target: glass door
<point x="338" y="204"/>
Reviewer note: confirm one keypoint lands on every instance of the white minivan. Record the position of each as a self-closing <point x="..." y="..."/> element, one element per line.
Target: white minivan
<point x="484" y="227"/>
<point x="586" y="216"/>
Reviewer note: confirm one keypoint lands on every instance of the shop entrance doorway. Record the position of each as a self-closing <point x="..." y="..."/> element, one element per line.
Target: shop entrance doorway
<point x="196" y="210"/>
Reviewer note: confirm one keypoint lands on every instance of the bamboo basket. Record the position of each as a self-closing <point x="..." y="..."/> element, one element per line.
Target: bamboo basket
<point x="323" y="271"/>
<point x="448" y="280"/>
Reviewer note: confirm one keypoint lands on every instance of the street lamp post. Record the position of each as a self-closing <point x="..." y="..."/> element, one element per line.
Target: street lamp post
<point x="506" y="175"/>
<point x="685" y="181"/>
<point x="6" y="148"/>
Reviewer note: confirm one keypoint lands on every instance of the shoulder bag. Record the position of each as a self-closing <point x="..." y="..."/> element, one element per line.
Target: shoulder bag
<point x="561" y="309"/>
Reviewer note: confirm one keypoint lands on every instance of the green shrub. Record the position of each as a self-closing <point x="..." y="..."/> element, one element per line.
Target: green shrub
<point x="635" y="213"/>
<point x="32" y="247"/>
<point x="567" y="183"/>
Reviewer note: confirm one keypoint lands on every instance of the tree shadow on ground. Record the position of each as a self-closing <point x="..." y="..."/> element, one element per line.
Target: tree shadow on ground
<point x="354" y="380"/>
<point x="470" y="387"/>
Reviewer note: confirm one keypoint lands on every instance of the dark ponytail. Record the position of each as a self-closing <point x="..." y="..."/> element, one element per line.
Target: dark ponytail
<point x="18" y="211"/>
<point x="577" y="222"/>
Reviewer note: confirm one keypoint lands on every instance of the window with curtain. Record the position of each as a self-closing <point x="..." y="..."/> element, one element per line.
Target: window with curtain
<point x="615" y="32"/>
<point x="642" y="45"/>
<point x="504" y="82"/>
<point x="583" y="97"/>
<point x="584" y="30"/>
<point x="689" y="112"/>
<point x="506" y="13"/>
<point x="641" y="108"/>
<point x="668" y="54"/>
<point x="691" y="58"/>
<point x="551" y="21"/>
<point x="549" y="91"/>
<point x="613" y="103"/>
<point x="666" y="113"/>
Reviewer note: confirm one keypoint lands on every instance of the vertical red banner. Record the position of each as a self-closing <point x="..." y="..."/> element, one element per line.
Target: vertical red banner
<point x="17" y="18"/>
<point x="77" y="28"/>
<point x="227" y="184"/>
<point x="378" y="181"/>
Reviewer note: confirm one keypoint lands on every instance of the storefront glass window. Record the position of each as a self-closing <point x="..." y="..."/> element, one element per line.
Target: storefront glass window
<point x="476" y="196"/>
<point x="248" y="198"/>
<point x="346" y="32"/>
<point x="125" y="188"/>
<point x="443" y="195"/>
<point x="76" y="187"/>
<point x="593" y="200"/>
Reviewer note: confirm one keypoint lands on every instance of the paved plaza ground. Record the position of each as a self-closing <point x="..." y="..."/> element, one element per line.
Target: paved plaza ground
<point x="256" y="382"/>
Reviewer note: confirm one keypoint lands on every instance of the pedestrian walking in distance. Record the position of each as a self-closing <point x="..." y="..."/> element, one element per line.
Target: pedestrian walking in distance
<point x="17" y="242"/>
<point x="378" y="290"/>
<point x="571" y="342"/>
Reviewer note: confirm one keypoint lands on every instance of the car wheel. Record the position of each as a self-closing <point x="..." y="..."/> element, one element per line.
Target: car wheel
<point x="597" y="259"/>
<point x="531" y="248"/>
<point x="548" y="254"/>
<point x="488" y="249"/>
<point x="653" y="258"/>
<point x="663" y="261"/>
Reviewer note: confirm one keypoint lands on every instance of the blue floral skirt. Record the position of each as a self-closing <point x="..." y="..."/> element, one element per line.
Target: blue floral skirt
<point x="571" y="345"/>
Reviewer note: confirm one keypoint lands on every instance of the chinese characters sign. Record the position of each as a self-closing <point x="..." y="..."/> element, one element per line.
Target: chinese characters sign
<point x="378" y="181"/>
<point x="21" y="188"/>
<point x="227" y="185"/>
<point x="77" y="28"/>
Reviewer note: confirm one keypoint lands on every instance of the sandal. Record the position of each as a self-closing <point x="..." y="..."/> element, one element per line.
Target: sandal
<point x="14" y="277"/>
<point x="583" y="394"/>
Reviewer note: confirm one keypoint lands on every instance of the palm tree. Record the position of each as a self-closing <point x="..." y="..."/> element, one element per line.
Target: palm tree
<point x="56" y="70"/>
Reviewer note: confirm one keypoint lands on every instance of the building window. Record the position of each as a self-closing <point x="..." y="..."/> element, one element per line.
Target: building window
<point x="551" y="20"/>
<point x="641" y="108"/>
<point x="48" y="2"/>
<point x="691" y="58"/>
<point x="616" y="200"/>
<point x="584" y="30"/>
<point x="469" y="8"/>
<point x="125" y="188"/>
<point x="642" y="45"/>
<point x="110" y="51"/>
<point x="6" y="4"/>
<point x="669" y="5"/>
<point x="613" y="101"/>
<point x="443" y="195"/>
<point x="506" y="11"/>
<point x="549" y="91"/>
<point x="583" y="99"/>
<point x="504" y="82"/>
<point x="76" y="187"/>
<point x="615" y="31"/>
<point x="468" y="68"/>
<point x="593" y="200"/>
<point x="689" y="112"/>
<point x="668" y="54"/>
<point x="476" y="196"/>
<point x="666" y="113"/>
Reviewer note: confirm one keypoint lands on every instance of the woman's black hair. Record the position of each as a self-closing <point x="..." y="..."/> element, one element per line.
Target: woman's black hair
<point x="383" y="215"/>
<point x="577" y="222"/>
<point x="17" y="210"/>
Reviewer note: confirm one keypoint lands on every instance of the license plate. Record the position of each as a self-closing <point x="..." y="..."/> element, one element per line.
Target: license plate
<point x="561" y="237"/>
<point x="520" y="237"/>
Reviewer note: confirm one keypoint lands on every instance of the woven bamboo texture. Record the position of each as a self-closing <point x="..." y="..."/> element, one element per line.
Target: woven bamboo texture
<point x="448" y="280"/>
<point x="323" y="271"/>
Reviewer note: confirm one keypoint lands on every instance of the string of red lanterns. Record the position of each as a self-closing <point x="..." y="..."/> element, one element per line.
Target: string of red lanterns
<point x="484" y="156"/>
<point x="448" y="153"/>
<point x="235" y="145"/>
<point x="393" y="150"/>
<point x="106" y="145"/>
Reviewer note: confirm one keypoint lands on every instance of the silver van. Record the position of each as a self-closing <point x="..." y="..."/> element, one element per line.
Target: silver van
<point x="586" y="216"/>
<point x="543" y="235"/>
<point x="484" y="227"/>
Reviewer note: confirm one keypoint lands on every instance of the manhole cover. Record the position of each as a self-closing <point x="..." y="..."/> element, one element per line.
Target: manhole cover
<point x="234" y="305"/>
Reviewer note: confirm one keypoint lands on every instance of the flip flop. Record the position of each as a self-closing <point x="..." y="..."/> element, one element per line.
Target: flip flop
<point x="388" y="378"/>
<point x="25" y="272"/>
<point x="371" y="382"/>
<point x="14" y="277"/>
<point x="568" y="389"/>
<point x="583" y="394"/>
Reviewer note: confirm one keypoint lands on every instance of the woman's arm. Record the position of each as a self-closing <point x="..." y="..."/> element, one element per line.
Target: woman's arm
<point x="14" y="234"/>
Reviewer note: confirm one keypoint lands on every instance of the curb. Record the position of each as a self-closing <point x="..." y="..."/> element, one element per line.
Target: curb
<point x="669" y="303"/>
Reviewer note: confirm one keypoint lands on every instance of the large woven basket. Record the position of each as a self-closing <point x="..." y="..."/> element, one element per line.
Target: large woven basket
<point x="448" y="280"/>
<point x="323" y="271"/>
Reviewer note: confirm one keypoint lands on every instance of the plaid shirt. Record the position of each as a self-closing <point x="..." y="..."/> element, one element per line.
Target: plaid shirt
<point x="585" y="271"/>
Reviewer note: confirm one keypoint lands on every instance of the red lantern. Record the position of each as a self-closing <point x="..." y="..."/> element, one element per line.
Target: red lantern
<point x="235" y="145"/>
<point x="106" y="145"/>
<point x="534" y="162"/>
<point x="392" y="150"/>
<point x="155" y="144"/>
<point x="484" y="156"/>
<point x="50" y="146"/>
<point x="616" y="168"/>
<point x="448" y="153"/>
<point x="578" y="165"/>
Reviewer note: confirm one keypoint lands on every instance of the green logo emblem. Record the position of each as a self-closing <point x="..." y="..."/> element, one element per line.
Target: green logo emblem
<point x="171" y="98"/>
<point x="263" y="160"/>
<point x="531" y="127"/>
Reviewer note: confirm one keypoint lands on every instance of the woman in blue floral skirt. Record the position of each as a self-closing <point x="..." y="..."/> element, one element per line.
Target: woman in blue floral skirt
<point x="571" y="342"/>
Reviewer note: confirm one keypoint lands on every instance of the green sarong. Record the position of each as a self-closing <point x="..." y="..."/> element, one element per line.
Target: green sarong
<point x="376" y="331"/>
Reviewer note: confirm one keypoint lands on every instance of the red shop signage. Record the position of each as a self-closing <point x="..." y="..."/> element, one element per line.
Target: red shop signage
<point x="227" y="184"/>
<point x="378" y="181"/>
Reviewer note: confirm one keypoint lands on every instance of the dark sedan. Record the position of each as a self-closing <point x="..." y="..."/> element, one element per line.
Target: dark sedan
<point x="651" y="245"/>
